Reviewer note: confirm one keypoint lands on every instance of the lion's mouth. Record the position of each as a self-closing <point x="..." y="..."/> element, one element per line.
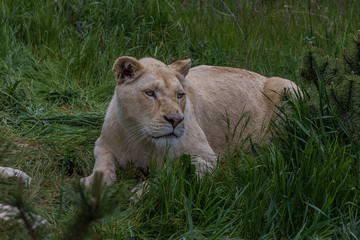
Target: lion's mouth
<point x="170" y="135"/>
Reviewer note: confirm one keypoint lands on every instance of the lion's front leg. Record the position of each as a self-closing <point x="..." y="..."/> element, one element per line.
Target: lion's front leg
<point x="198" y="146"/>
<point x="204" y="161"/>
<point x="104" y="163"/>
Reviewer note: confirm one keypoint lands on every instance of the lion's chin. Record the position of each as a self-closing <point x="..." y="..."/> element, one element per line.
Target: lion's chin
<point x="166" y="142"/>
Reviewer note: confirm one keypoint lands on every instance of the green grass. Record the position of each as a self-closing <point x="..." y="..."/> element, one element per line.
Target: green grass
<point x="56" y="82"/>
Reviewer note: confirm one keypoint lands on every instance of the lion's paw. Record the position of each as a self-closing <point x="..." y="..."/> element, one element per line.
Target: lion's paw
<point x="107" y="179"/>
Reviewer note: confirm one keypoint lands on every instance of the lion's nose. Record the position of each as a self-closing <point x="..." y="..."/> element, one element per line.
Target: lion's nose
<point x="174" y="120"/>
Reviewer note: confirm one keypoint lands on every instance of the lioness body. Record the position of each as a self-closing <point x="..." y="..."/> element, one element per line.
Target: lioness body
<point x="158" y="107"/>
<point x="225" y="98"/>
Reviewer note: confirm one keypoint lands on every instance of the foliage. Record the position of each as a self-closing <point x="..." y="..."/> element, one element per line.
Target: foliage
<point x="337" y="84"/>
<point x="92" y="206"/>
<point x="56" y="82"/>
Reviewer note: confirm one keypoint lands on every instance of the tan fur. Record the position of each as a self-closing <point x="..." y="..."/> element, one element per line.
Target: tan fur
<point x="136" y="126"/>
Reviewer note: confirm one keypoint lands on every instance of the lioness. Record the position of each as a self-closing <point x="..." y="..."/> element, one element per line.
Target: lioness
<point x="157" y="107"/>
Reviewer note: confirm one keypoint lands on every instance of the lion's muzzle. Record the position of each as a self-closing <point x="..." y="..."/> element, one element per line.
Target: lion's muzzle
<point x="173" y="119"/>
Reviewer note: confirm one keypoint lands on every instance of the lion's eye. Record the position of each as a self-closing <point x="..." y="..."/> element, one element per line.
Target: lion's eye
<point x="180" y="95"/>
<point x="150" y="93"/>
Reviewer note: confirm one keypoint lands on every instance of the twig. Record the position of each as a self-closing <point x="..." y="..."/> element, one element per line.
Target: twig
<point x="310" y="17"/>
<point x="222" y="13"/>
<point x="239" y="28"/>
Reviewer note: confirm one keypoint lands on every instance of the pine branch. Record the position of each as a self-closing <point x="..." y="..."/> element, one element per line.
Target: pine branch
<point x="350" y="91"/>
<point x="312" y="68"/>
<point x="93" y="206"/>
<point x="347" y="61"/>
<point x="20" y="205"/>
<point x="358" y="53"/>
<point x="333" y="94"/>
<point x="89" y="209"/>
<point x="324" y="66"/>
<point x="308" y="71"/>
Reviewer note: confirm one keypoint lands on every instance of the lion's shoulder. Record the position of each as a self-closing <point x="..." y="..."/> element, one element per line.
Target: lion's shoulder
<point x="212" y="72"/>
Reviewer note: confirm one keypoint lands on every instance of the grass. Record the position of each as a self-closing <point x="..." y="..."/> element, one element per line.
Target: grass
<point x="56" y="82"/>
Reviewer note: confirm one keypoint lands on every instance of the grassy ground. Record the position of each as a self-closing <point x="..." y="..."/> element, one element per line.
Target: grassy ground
<point x="56" y="82"/>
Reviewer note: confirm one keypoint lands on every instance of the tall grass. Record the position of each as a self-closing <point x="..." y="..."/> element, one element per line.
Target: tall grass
<point x="56" y="82"/>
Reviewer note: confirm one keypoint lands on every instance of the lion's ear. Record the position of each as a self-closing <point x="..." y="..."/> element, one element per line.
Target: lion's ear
<point x="181" y="66"/>
<point x="126" y="69"/>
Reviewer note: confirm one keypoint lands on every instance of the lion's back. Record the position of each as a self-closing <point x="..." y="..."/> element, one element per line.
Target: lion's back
<point x="224" y="97"/>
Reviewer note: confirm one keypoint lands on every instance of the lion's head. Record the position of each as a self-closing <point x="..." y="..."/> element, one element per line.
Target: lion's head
<point x="151" y="98"/>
